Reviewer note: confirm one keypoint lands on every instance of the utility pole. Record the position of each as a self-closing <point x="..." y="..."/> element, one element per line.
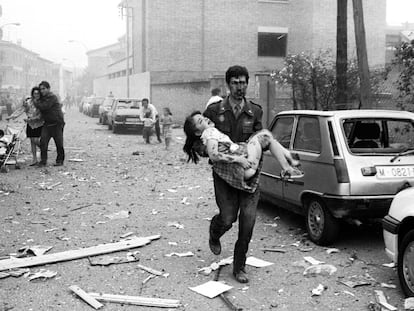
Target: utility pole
<point x="363" y="69"/>
<point x="341" y="54"/>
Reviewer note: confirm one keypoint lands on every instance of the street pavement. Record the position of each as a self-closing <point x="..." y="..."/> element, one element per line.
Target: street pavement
<point x="104" y="193"/>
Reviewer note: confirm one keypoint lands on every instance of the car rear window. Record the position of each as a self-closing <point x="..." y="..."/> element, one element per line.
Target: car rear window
<point x="381" y="135"/>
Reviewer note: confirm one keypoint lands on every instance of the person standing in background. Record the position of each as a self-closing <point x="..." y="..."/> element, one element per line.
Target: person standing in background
<point x="167" y="121"/>
<point x="51" y="111"/>
<point x="215" y="97"/>
<point x="147" y="107"/>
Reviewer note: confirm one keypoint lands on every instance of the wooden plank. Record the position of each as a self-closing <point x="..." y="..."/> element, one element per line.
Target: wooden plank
<point x="87" y="298"/>
<point x="76" y="254"/>
<point x="137" y="300"/>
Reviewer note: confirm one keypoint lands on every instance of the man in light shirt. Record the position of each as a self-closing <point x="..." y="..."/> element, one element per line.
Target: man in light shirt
<point x="147" y="107"/>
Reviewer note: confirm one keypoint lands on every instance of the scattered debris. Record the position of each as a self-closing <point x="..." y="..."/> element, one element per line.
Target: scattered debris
<point x="409" y="303"/>
<point x="216" y="265"/>
<point x="175" y="224"/>
<point x="318" y="290"/>
<point x="126" y="235"/>
<point x="110" y="260"/>
<point x="172" y="190"/>
<point x="353" y="284"/>
<point x="313" y="261"/>
<point x="36" y="250"/>
<point x="51" y="230"/>
<point x="274" y="225"/>
<point x="75" y="254"/>
<point x="42" y="274"/>
<point x="186" y="254"/>
<point x="211" y="289"/>
<point x="86" y="297"/>
<point x="305" y="249"/>
<point x="75" y="160"/>
<point x="332" y="250"/>
<point x="138" y="153"/>
<point x="389" y="265"/>
<point x="349" y="293"/>
<point x="323" y="269"/>
<point x="379" y="295"/>
<point x="258" y="263"/>
<point x="137" y="300"/>
<point x="388" y="285"/>
<point x="184" y="201"/>
<point x="47" y="186"/>
<point x="275" y="250"/>
<point x="14" y="273"/>
<point x="153" y="271"/>
<point x="118" y="215"/>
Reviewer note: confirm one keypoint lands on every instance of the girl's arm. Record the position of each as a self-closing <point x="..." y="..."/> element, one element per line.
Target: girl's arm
<point x="17" y="113"/>
<point x="216" y="156"/>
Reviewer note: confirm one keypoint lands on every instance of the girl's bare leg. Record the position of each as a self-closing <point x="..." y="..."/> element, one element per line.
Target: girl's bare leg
<point x="33" y="145"/>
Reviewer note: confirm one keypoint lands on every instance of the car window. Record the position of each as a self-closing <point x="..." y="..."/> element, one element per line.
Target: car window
<point x="379" y="135"/>
<point x="133" y="104"/>
<point x="308" y="135"/>
<point x="282" y="130"/>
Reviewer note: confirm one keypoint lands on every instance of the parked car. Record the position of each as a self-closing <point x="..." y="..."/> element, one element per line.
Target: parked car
<point x="355" y="161"/>
<point x="398" y="228"/>
<point x="125" y="114"/>
<point x="104" y="108"/>
<point x="93" y="110"/>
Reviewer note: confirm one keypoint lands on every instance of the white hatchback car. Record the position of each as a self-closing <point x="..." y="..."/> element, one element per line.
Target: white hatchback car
<point x="355" y="161"/>
<point x="398" y="228"/>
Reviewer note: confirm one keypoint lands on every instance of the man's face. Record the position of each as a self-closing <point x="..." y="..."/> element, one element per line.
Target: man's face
<point x="145" y="104"/>
<point x="238" y="87"/>
<point x="44" y="90"/>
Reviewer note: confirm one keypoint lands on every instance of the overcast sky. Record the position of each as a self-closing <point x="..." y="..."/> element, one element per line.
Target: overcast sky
<point x="48" y="25"/>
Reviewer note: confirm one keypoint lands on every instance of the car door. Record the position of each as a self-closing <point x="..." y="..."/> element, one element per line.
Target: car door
<point x="271" y="183"/>
<point x="112" y="111"/>
<point x="307" y="148"/>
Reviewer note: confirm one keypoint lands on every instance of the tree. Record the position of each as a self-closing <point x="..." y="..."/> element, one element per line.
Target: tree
<point x="341" y="53"/>
<point x="405" y="83"/>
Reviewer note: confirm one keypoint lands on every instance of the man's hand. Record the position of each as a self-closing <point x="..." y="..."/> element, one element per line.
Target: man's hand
<point x="244" y="163"/>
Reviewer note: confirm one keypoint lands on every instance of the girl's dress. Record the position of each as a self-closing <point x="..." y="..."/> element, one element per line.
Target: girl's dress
<point x="167" y="127"/>
<point x="232" y="173"/>
<point x="34" y="118"/>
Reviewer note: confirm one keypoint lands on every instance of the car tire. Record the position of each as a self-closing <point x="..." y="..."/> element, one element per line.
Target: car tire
<point x="405" y="265"/>
<point x="109" y="126"/>
<point x="322" y="227"/>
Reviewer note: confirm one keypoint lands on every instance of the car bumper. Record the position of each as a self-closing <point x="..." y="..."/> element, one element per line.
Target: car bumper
<point x="390" y="227"/>
<point x="357" y="206"/>
<point x="126" y="124"/>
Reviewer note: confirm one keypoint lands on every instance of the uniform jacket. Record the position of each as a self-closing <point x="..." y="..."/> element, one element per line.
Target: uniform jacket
<point x="240" y="129"/>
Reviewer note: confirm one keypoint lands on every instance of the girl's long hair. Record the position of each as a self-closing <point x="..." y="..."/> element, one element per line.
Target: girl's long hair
<point x="193" y="146"/>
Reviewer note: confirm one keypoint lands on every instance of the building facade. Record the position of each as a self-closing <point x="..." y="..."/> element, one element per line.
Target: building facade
<point x="21" y="69"/>
<point x="186" y="45"/>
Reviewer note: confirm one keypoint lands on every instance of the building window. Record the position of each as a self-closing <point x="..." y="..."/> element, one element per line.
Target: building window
<point x="272" y="41"/>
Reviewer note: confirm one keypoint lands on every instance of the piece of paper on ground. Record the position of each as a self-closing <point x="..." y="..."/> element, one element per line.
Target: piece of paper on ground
<point x="258" y="263"/>
<point x="211" y="289"/>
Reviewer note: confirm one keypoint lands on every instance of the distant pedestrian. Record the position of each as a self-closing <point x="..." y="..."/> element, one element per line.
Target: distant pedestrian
<point x="34" y="121"/>
<point x="147" y="107"/>
<point x="9" y="105"/>
<point x="167" y="121"/>
<point x="148" y="126"/>
<point x="51" y="110"/>
<point x="215" y="97"/>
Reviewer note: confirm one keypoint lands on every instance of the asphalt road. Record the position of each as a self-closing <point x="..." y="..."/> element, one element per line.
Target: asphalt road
<point x="68" y="208"/>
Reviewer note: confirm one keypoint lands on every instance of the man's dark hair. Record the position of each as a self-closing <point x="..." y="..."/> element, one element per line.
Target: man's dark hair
<point x="45" y="84"/>
<point x="235" y="72"/>
<point x="216" y="91"/>
<point x="145" y="100"/>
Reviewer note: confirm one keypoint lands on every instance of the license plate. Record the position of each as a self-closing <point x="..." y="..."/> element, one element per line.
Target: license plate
<point x="135" y="120"/>
<point x="395" y="171"/>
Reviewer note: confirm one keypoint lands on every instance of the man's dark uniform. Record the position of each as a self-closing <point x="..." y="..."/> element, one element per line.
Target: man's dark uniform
<point x="230" y="199"/>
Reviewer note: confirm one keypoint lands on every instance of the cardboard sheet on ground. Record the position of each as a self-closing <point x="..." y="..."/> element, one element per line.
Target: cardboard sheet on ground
<point x="258" y="263"/>
<point x="211" y="289"/>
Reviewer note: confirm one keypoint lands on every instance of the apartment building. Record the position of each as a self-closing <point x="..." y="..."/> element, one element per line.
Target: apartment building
<point x="186" y="45"/>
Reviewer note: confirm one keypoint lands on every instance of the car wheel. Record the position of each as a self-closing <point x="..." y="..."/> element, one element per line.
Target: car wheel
<point x="406" y="264"/>
<point x="109" y="126"/>
<point x="322" y="227"/>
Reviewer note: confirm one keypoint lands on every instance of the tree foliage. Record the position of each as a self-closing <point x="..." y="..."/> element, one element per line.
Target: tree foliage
<point x="312" y="80"/>
<point x="405" y="83"/>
